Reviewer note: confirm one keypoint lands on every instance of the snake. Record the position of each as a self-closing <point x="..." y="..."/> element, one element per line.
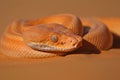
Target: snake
<point x="53" y="35"/>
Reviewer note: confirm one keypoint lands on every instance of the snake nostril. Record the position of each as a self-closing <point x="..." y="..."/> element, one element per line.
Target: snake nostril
<point x="74" y="44"/>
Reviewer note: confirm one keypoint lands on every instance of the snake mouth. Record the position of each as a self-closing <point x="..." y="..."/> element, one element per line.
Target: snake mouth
<point x="45" y="47"/>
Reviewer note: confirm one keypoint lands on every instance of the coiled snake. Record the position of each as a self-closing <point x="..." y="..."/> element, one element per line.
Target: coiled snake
<point x="53" y="35"/>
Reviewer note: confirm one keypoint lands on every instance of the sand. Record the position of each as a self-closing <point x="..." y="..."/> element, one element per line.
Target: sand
<point x="103" y="66"/>
<point x="80" y="66"/>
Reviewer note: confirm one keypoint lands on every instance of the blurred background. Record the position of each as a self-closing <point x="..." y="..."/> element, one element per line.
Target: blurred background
<point x="11" y="10"/>
<point x="77" y="67"/>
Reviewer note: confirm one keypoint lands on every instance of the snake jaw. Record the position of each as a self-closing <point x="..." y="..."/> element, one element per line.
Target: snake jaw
<point x="48" y="48"/>
<point x="52" y="48"/>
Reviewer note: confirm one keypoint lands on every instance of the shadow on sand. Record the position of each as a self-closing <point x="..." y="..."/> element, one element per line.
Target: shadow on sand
<point x="91" y="49"/>
<point x="116" y="41"/>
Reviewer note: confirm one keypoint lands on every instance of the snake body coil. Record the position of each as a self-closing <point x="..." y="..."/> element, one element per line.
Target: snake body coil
<point x="53" y="35"/>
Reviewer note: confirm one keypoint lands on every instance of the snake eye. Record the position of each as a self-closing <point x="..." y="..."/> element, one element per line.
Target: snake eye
<point x="54" y="38"/>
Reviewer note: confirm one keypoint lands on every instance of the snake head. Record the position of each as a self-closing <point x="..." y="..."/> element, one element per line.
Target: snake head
<point x="52" y="38"/>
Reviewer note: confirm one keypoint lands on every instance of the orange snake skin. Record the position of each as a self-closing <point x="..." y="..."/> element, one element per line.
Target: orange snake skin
<point x="57" y="35"/>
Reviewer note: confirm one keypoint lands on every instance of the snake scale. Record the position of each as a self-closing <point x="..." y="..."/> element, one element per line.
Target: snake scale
<point x="53" y="36"/>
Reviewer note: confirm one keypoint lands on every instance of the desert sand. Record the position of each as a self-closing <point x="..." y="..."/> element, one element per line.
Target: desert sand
<point x="75" y="66"/>
<point x="105" y="65"/>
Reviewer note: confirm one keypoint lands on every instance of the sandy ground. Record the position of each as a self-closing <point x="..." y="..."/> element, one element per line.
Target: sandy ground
<point x="80" y="66"/>
<point x="103" y="66"/>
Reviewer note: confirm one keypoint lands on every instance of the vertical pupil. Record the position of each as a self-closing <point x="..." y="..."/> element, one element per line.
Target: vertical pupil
<point x="54" y="38"/>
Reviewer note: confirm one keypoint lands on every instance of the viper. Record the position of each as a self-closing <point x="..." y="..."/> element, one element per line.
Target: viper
<point x="55" y="35"/>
